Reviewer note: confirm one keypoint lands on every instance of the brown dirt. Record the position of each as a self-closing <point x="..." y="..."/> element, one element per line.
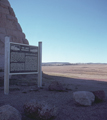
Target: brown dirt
<point x="74" y="78"/>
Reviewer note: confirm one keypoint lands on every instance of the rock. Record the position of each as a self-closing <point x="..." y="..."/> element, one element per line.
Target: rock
<point x="99" y="95"/>
<point x="5" y="2"/>
<point x="11" y="11"/>
<point x="84" y="98"/>
<point x="2" y="30"/>
<point x="8" y="112"/>
<point x="9" y="26"/>
<point x="47" y="112"/>
<point x="39" y="110"/>
<point x="56" y="86"/>
<point x="12" y="18"/>
<point x="25" y="41"/>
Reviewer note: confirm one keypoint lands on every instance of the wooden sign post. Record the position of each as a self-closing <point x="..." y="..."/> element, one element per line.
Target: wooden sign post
<point x="22" y="59"/>
<point x="40" y="65"/>
<point x="6" y="66"/>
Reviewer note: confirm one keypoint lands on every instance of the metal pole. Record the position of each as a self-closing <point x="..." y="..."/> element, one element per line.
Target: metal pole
<point x="6" y="65"/>
<point x="40" y="64"/>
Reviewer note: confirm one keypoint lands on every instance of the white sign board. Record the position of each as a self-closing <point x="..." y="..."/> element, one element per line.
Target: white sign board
<point x="21" y="59"/>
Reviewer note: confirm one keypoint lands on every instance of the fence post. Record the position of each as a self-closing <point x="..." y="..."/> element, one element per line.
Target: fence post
<point x="6" y="65"/>
<point x="40" y="64"/>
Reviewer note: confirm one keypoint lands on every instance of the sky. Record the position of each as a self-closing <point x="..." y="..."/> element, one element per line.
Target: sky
<point x="72" y="31"/>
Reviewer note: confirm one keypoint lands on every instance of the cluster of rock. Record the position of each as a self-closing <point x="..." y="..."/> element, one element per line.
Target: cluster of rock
<point x="86" y="98"/>
<point x="39" y="110"/>
<point x="32" y="109"/>
<point x="9" y="26"/>
<point x="44" y="111"/>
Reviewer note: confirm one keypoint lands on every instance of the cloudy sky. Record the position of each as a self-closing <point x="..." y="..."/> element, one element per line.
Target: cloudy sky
<point x="72" y="31"/>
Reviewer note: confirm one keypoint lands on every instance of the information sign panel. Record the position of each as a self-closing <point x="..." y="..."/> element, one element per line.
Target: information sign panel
<point x="23" y="58"/>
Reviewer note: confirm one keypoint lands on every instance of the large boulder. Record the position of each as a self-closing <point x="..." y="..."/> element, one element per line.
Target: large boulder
<point x="39" y="110"/>
<point x="84" y="98"/>
<point x="99" y="95"/>
<point x="55" y="86"/>
<point x="8" y="112"/>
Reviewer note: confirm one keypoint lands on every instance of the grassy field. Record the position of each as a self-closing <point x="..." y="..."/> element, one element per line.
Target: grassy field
<point x="82" y="71"/>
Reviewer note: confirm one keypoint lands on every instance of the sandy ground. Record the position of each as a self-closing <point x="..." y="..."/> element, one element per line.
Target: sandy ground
<point x="74" y="78"/>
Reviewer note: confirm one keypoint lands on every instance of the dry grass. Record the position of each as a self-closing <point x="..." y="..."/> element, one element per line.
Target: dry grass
<point x="82" y="71"/>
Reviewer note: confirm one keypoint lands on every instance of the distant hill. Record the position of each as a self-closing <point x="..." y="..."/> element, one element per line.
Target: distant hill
<point x="55" y="63"/>
<point x="65" y="63"/>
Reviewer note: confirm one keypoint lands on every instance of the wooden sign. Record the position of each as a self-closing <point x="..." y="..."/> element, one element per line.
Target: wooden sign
<point x="22" y="59"/>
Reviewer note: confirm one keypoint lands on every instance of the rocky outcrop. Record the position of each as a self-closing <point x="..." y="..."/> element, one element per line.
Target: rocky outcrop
<point x="39" y="110"/>
<point x="84" y="98"/>
<point x="55" y="86"/>
<point x="9" y="26"/>
<point x="8" y="112"/>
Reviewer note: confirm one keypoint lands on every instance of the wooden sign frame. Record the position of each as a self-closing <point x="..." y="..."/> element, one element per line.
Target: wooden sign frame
<point x="7" y="71"/>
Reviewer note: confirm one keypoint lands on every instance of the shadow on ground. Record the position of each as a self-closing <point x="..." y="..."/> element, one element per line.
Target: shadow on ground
<point x="79" y="84"/>
<point x="67" y="109"/>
